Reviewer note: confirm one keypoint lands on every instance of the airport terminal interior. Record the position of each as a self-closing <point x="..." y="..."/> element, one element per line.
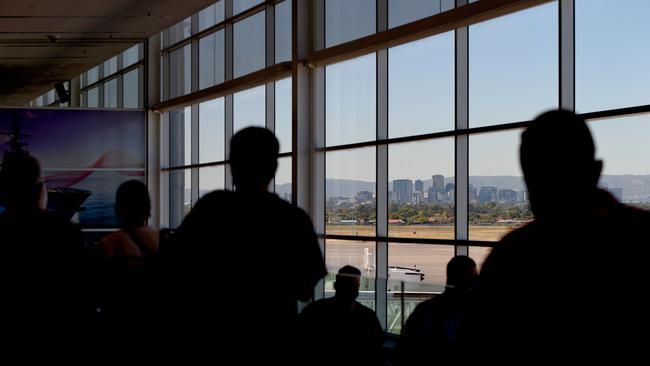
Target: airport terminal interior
<point x="398" y="121"/>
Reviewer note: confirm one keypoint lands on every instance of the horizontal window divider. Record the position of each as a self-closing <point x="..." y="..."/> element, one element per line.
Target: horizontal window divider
<point x="618" y="112"/>
<point x="177" y="45"/>
<point x="260" y="77"/>
<point x="388" y="239"/>
<point x="113" y="75"/>
<point x="461" y="16"/>
<point x="213" y="163"/>
<point x="221" y="25"/>
<point x="211" y="30"/>
<point x="611" y="113"/>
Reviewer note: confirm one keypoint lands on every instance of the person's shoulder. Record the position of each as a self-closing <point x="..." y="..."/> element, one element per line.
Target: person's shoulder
<point x="634" y="215"/>
<point x="365" y="311"/>
<point x="426" y="307"/>
<point x="519" y="234"/>
<point x="217" y="197"/>
<point x="317" y="307"/>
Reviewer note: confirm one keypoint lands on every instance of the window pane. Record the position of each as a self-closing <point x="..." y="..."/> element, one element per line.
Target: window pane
<point x="211" y="60"/>
<point x="92" y="75"/>
<point x="180" y="132"/>
<point x="131" y="56"/>
<point x="283" y="114"/>
<point x="250" y="44"/>
<point x="283" y="179"/>
<point x="283" y="31"/>
<point x="405" y="11"/>
<point x="93" y="97"/>
<point x="612" y="54"/>
<point x="350" y="101"/>
<point x="350" y="187"/>
<point x="131" y="89"/>
<point x="180" y="195"/>
<point x="249" y="108"/>
<point x="513" y="66"/>
<point x="110" y="94"/>
<point x="207" y="17"/>
<point x="479" y="255"/>
<point x="180" y="31"/>
<point x="211" y="131"/>
<point x="110" y="66"/>
<point x="360" y="254"/>
<point x="240" y="5"/>
<point x="498" y="200"/>
<point x="418" y="270"/>
<point x="180" y="75"/>
<point x="622" y="145"/>
<point x="51" y="96"/>
<point x="347" y="20"/>
<point x="421" y="189"/>
<point x="421" y="86"/>
<point x="211" y="178"/>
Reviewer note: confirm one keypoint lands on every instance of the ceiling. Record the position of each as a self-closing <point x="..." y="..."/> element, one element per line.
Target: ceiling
<point x="43" y="42"/>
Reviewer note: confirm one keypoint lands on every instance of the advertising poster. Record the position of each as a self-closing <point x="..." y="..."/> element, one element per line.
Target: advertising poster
<point x="85" y="155"/>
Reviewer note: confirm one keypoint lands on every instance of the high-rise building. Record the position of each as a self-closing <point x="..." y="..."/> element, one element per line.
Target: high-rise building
<point x="363" y="196"/>
<point x="508" y="195"/>
<point x="449" y="187"/>
<point x="419" y="186"/>
<point x="487" y="194"/>
<point x="473" y="196"/>
<point x="404" y="190"/>
<point x="438" y="183"/>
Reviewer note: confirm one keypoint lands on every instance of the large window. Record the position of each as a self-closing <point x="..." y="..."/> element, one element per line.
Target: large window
<point x="413" y="147"/>
<point x="348" y="20"/>
<point x="350" y="101"/>
<point x="116" y="83"/>
<point x="421" y="86"/>
<point x="513" y="66"/>
<point x="421" y="189"/>
<point x="198" y="148"/>
<point x="612" y="54"/>
<point x="498" y="200"/>
<point x="249" y="44"/>
<point x="230" y="46"/>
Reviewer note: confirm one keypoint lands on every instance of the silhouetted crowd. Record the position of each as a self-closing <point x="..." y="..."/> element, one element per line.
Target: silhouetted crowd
<point x="569" y="286"/>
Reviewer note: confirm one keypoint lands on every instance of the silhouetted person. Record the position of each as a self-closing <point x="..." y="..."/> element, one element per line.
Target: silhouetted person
<point x="41" y="262"/>
<point x="242" y="260"/>
<point x="572" y="284"/>
<point x="429" y="334"/>
<point x="340" y="330"/>
<point x="125" y="260"/>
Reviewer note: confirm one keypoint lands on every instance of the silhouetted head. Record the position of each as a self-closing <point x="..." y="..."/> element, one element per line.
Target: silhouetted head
<point x="462" y="272"/>
<point x="21" y="183"/>
<point x="253" y="158"/>
<point x="347" y="283"/>
<point x="132" y="204"/>
<point x="557" y="159"/>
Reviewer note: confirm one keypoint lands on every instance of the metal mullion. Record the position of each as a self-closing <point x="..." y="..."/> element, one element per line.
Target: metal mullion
<point x="461" y="203"/>
<point x="228" y="104"/>
<point x="270" y="35"/>
<point x="382" y="189"/>
<point x="195" y="152"/>
<point x="566" y="33"/>
<point x="320" y="174"/>
<point x="270" y="117"/>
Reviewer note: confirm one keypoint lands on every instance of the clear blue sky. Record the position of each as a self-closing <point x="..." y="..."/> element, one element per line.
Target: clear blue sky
<point x="513" y="77"/>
